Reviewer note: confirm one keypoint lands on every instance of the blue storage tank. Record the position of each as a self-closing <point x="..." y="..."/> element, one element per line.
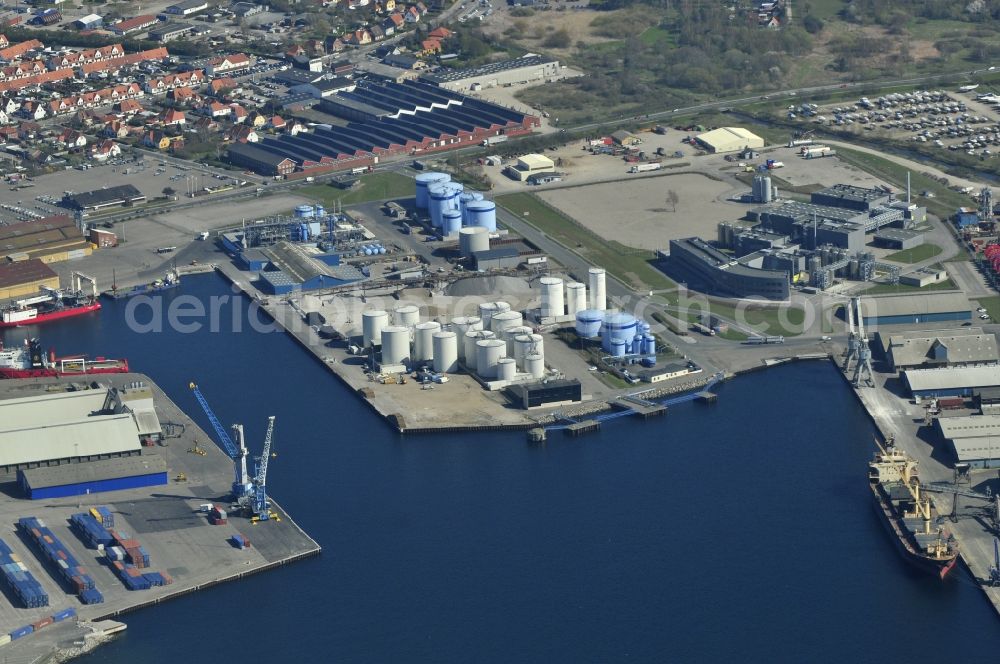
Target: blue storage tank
<point x="451" y="222"/>
<point x="649" y="345"/>
<point x="482" y="213"/>
<point x="439" y="199"/>
<point x="464" y="199"/>
<point x="425" y="180"/>
<point x="368" y="251"/>
<point x="304" y="211"/>
<point x="588" y="323"/>
<point x="319" y="211"/>
<point x="381" y="250"/>
<point x="617" y="326"/>
<point x="636" y="345"/>
<point x="618" y="347"/>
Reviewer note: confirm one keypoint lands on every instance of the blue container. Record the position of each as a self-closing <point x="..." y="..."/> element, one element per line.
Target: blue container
<point x="91" y="596"/>
<point x="63" y="615"/>
<point x="21" y="631"/>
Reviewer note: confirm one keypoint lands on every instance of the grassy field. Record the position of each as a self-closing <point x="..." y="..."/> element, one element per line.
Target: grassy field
<point x="992" y="306"/>
<point x="877" y="289"/>
<point x="630" y="265"/>
<point x="374" y="187"/>
<point x="765" y="320"/>
<point x="915" y="255"/>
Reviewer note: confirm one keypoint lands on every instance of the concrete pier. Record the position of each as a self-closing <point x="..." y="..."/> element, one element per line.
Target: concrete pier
<point x="165" y="520"/>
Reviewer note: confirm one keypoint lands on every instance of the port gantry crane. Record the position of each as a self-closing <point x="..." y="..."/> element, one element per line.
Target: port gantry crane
<point x="249" y="493"/>
<point x="857" y="346"/>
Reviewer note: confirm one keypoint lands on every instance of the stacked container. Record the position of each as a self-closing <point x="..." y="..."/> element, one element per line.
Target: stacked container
<point x="218" y="516"/>
<point x="64" y="562"/>
<point x="240" y="542"/>
<point x="103" y="516"/>
<point x="88" y="528"/>
<point x="20" y="581"/>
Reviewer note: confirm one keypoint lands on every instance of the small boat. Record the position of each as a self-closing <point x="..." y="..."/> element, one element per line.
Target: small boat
<point x="170" y="281"/>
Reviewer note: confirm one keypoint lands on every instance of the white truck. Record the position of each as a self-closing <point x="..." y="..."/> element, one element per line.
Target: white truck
<point x="811" y="151"/>
<point x="493" y="140"/>
<point x="643" y="168"/>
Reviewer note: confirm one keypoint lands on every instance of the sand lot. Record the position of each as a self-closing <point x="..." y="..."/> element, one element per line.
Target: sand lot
<point x="636" y="212"/>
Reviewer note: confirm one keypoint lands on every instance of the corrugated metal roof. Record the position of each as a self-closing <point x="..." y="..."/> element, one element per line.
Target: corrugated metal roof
<point x="23" y="272"/>
<point x="94" y="471"/>
<point x="921" y="380"/>
<point x="956" y="347"/>
<point x="45" y="409"/>
<point x="99" y="434"/>
<point x="934" y="302"/>
<point x="970" y="427"/>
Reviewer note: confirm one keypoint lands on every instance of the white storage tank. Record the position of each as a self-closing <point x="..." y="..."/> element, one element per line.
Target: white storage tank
<point x="552" y="296"/>
<point x="372" y="322"/>
<point x="576" y="297"/>
<point x="511" y="333"/>
<point x="395" y="344"/>
<point x="488" y="309"/>
<point x="469" y="345"/>
<point x="538" y="344"/>
<point x="506" y="368"/>
<point x="423" y="340"/>
<point x="439" y="200"/>
<point x="407" y="315"/>
<point x="451" y="222"/>
<point x="482" y="214"/>
<point x="425" y="180"/>
<point x="488" y="353"/>
<point x="588" y="323"/>
<point x="534" y="364"/>
<point x="522" y="346"/>
<point x="501" y="321"/>
<point x="473" y="239"/>
<point x="445" y="352"/>
<point x="598" y="294"/>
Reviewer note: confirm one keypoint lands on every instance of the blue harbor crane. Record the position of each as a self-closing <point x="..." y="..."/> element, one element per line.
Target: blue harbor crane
<point x="249" y="493"/>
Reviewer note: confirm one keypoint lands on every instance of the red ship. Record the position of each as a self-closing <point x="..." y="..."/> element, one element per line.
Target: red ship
<point x="28" y="361"/>
<point x="53" y="305"/>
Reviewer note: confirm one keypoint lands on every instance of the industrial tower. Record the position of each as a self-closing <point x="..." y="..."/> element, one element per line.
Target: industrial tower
<point x="249" y="493"/>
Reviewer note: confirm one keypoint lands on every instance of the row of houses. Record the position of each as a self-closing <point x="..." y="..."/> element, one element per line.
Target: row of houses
<point x="20" y="74"/>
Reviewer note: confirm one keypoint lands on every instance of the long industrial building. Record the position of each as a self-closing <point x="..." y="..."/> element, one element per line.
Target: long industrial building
<point x="67" y="427"/>
<point x="290" y="269"/>
<point x="924" y="349"/>
<point x="907" y="309"/>
<point x="694" y="260"/>
<point x="26" y="278"/>
<point x="951" y="382"/>
<point x="974" y="440"/>
<point x="50" y="239"/>
<point x="527" y="68"/>
<point x="388" y="119"/>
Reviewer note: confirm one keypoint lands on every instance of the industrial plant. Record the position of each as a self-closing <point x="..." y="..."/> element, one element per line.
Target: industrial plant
<point x="785" y="243"/>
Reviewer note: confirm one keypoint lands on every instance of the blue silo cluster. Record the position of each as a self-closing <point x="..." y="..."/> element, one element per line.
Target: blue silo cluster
<point x="450" y="207"/>
<point x="621" y="335"/>
<point x="309" y="223"/>
<point x="374" y="249"/>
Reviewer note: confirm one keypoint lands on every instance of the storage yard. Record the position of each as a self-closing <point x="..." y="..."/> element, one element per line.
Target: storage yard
<point x="107" y="547"/>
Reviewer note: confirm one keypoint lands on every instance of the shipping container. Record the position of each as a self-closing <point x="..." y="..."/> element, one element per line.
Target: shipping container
<point x="44" y="622"/>
<point x="63" y="615"/>
<point x="21" y="632"/>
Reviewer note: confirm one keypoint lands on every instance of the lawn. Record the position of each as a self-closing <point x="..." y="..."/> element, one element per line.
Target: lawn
<point x="652" y="35"/>
<point x="992" y="306"/>
<point x="374" y="187"/>
<point x="783" y="320"/>
<point x="877" y="289"/>
<point x="628" y="264"/>
<point x="916" y="254"/>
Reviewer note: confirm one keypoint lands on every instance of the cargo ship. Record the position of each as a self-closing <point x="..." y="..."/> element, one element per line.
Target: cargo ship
<point x="52" y="305"/>
<point x="908" y="513"/>
<point x="28" y="361"/>
<point x="169" y="281"/>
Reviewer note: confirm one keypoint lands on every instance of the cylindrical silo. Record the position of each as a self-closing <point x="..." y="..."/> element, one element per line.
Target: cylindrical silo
<point x="535" y="365"/>
<point x="648" y="345"/>
<point x="482" y="214"/>
<point x="406" y="315"/>
<point x="473" y="239"/>
<point x="588" y="323"/>
<point x="395" y="344"/>
<point x="538" y="344"/>
<point x="598" y="294"/>
<point x="501" y="321"/>
<point x="488" y="309"/>
<point x="522" y="346"/>
<point x="445" y="352"/>
<point x="438" y="200"/>
<point x="469" y="348"/>
<point x="576" y="297"/>
<point x="552" y="297"/>
<point x="618" y="347"/>
<point x="512" y="333"/>
<point x="506" y="368"/>
<point x="464" y="199"/>
<point x="617" y="327"/>
<point x="451" y="222"/>
<point x="372" y="322"/>
<point x="423" y="340"/>
<point x="488" y="352"/>
<point x="425" y="180"/>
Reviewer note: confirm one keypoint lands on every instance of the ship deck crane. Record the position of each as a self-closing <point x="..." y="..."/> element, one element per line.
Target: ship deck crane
<point x="242" y="487"/>
<point x="261" y="508"/>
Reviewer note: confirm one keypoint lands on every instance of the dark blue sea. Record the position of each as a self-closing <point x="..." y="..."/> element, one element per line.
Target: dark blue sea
<point x="738" y="532"/>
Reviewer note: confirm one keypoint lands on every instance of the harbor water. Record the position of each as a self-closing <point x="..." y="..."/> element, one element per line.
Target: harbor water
<point x="740" y="531"/>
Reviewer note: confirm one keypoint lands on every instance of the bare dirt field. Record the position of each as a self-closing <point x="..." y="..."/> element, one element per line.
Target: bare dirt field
<point x="636" y="212"/>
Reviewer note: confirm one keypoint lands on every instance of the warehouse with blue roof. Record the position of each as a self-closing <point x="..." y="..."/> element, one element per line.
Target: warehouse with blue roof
<point x="290" y="268"/>
<point x="386" y="118"/>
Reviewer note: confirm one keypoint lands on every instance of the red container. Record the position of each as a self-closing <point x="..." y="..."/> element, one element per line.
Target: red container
<point x="119" y="565"/>
<point x="131" y="571"/>
<point x="950" y="403"/>
<point x="44" y="622"/>
<point x="78" y="584"/>
<point x="167" y="579"/>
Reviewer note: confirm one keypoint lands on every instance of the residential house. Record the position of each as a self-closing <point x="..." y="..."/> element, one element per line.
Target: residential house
<point x="206" y="124"/>
<point x="128" y="107"/>
<point x="4" y="42"/>
<point x="115" y="129"/>
<point x="29" y="131"/>
<point x="156" y="139"/>
<point x="277" y="123"/>
<point x="256" y="120"/>
<point x="440" y="34"/>
<point x="172" y="117"/>
<point x="183" y="95"/>
<point x="220" y="85"/>
<point x="315" y="47"/>
<point x="430" y="47"/>
<point x="360" y="37"/>
<point x="295" y="127"/>
<point x="422" y="8"/>
<point x="32" y="110"/>
<point x="102" y="150"/>
<point x="392" y="23"/>
<point x="378" y="34"/>
<point x="238" y="114"/>
<point x="214" y="109"/>
<point x="334" y="44"/>
<point x="411" y="15"/>
<point x="71" y="138"/>
<point x="295" y="51"/>
<point x="228" y="63"/>
<point x="242" y="134"/>
<point x="4" y="118"/>
<point x="9" y="105"/>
